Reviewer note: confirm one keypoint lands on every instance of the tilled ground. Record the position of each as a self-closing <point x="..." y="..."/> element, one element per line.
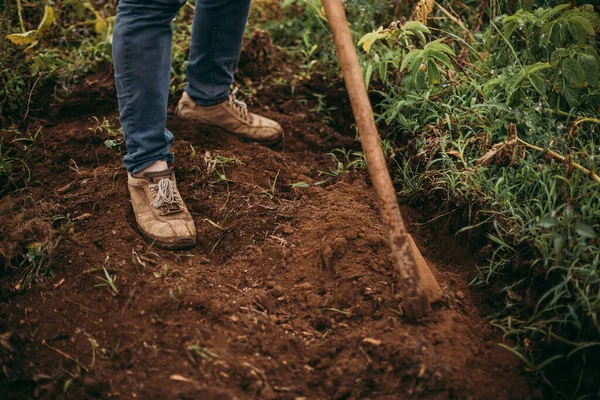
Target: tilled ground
<point x="288" y="295"/>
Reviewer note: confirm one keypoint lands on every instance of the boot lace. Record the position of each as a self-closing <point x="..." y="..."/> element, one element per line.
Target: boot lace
<point x="239" y="106"/>
<point x="167" y="196"/>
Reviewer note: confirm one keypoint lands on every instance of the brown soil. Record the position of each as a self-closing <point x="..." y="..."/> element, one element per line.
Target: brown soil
<point x="290" y="297"/>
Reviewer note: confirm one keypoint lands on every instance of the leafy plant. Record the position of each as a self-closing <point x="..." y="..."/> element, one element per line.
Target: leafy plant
<point x="563" y="38"/>
<point x="108" y="281"/>
<point x="33" y="37"/>
<point x="401" y="40"/>
<point x="424" y="64"/>
<point x="114" y="137"/>
<point x="34" y="265"/>
<point x="345" y="161"/>
<point x="58" y="53"/>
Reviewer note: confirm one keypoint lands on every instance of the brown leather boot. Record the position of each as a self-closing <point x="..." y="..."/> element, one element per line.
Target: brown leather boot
<point x="160" y="213"/>
<point x="233" y="116"/>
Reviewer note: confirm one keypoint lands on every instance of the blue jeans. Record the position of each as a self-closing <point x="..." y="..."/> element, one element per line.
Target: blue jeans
<point x="142" y="44"/>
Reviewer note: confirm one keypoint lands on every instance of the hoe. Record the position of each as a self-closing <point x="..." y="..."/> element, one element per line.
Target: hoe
<point x="417" y="283"/>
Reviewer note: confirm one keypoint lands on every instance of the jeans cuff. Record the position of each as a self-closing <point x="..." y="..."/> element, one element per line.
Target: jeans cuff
<point x="134" y="169"/>
<point x="206" y="102"/>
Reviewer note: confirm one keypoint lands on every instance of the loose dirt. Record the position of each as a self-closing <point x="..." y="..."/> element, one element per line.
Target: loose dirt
<point x="289" y="294"/>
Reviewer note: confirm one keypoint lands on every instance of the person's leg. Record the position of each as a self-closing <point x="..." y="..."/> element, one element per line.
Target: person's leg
<point x="142" y="61"/>
<point x="217" y="33"/>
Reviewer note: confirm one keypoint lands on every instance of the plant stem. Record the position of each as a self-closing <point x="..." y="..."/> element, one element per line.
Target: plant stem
<point x="20" y="12"/>
<point x="594" y="120"/>
<point x="560" y="157"/>
<point x="456" y="21"/>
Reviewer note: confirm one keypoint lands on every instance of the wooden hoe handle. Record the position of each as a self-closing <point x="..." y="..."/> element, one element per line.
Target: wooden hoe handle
<point x="414" y="299"/>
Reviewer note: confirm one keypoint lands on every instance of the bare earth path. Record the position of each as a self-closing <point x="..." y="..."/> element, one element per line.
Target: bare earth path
<point x="288" y="295"/>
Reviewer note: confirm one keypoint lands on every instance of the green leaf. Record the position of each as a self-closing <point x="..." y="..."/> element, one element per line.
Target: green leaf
<point x="438" y="45"/>
<point x="22" y="38"/>
<point x="491" y="84"/>
<point x="569" y="212"/>
<point x="559" y="240"/>
<point x="584" y="23"/>
<point x="556" y="36"/>
<point x="578" y="31"/>
<point x="420" y="79"/>
<point x="421" y="36"/>
<point x="547" y="29"/>
<point x="558" y="9"/>
<point x="434" y="74"/>
<point x="444" y="59"/>
<point x="409" y="57"/>
<point x="547" y="222"/>
<point x="571" y="94"/>
<point x="383" y="71"/>
<point x="558" y="53"/>
<point x="416" y="26"/>
<point x="591" y="68"/>
<point x="585" y="230"/>
<point x="415" y="66"/>
<point x="537" y="67"/>
<point x="35" y="68"/>
<point x="538" y="83"/>
<point x="510" y="28"/>
<point x="573" y="72"/>
<point x="368" y="75"/>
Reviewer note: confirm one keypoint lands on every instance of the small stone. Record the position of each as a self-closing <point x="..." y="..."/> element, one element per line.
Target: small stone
<point x="305" y="286"/>
<point x="127" y="236"/>
<point x="267" y="393"/>
<point x="277" y="291"/>
<point x="288" y="230"/>
<point x="327" y="254"/>
<point x="339" y="247"/>
<point x="460" y="295"/>
<point x="313" y="300"/>
<point x="374" y="342"/>
<point x="351" y="235"/>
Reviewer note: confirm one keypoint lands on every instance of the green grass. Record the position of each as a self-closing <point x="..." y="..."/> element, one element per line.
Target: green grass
<point x="540" y="214"/>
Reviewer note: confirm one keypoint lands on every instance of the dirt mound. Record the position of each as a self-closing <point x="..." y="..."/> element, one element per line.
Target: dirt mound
<point x="288" y="295"/>
<point x="259" y="56"/>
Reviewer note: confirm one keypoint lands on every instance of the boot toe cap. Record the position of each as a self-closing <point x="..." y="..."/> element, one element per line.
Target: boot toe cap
<point x="268" y="131"/>
<point x="174" y="234"/>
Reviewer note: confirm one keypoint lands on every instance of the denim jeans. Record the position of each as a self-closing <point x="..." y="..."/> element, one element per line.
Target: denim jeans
<point x="142" y="44"/>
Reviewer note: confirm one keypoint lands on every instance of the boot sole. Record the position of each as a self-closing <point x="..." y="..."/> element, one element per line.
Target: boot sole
<point x="180" y="244"/>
